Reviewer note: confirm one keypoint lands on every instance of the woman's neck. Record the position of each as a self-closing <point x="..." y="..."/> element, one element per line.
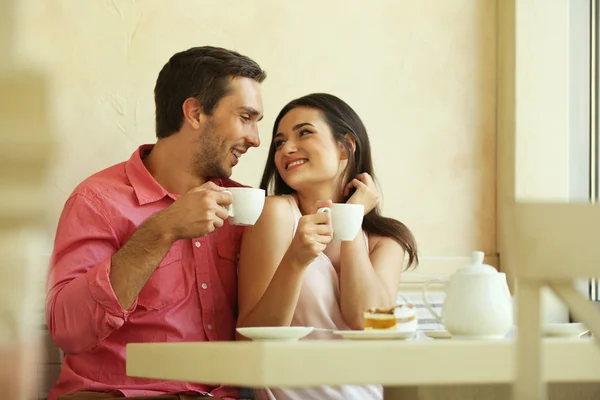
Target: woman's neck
<point x="307" y="199"/>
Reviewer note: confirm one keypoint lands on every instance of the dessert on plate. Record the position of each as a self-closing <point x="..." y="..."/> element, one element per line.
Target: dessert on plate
<point x="402" y="317"/>
<point x="380" y="318"/>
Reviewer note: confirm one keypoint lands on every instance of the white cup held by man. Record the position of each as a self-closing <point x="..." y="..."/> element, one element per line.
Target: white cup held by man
<point x="346" y="220"/>
<point x="246" y="206"/>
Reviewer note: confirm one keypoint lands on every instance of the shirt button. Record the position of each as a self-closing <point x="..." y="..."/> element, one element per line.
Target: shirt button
<point x="198" y="244"/>
<point x="209" y="327"/>
<point x="204" y="286"/>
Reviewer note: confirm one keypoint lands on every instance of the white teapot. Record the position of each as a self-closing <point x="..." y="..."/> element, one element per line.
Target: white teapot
<point x="478" y="304"/>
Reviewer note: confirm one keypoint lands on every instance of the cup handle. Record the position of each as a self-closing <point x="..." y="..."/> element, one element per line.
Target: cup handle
<point x="325" y="210"/>
<point x="428" y="305"/>
<point x="228" y="207"/>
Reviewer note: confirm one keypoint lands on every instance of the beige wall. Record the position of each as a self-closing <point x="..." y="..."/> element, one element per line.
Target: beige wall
<point x="421" y="75"/>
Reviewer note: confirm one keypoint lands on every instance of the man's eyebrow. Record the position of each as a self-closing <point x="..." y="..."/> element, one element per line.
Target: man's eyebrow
<point x="252" y="111"/>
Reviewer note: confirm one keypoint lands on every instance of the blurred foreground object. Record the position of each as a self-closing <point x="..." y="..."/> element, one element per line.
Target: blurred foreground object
<point x="25" y="152"/>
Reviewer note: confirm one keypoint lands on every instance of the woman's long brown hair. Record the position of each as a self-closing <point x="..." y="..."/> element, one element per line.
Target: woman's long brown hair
<point x="342" y="120"/>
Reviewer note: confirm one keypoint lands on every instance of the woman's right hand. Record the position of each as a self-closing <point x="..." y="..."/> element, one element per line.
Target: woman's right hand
<point x="313" y="234"/>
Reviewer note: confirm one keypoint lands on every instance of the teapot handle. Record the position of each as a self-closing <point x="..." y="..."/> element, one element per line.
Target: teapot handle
<point x="428" y="305"/>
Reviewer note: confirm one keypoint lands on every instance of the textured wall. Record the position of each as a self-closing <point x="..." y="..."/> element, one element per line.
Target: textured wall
<point x="421" y="75"/>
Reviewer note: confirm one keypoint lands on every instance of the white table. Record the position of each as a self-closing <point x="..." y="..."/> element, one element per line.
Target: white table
<point x="402" y="367"/>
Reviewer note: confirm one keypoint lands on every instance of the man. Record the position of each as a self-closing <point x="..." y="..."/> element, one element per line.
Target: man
<point x="143" y="250"/>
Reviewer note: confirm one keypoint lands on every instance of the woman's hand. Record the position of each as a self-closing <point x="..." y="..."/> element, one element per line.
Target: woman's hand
<point x="313" y="234"/>
<point x="366" y="192"/>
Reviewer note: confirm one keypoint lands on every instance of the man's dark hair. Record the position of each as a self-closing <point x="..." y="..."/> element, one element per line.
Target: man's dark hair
<point x="203" y="73"/>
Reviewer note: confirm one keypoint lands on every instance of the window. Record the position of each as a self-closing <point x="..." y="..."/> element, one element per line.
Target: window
<point x="584" y="110"/>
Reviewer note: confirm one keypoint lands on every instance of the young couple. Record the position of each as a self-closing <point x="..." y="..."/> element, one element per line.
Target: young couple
<point x="144" y="251"/>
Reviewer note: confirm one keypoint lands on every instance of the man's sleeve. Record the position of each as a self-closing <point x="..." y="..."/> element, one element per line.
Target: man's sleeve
<point x="81" y="306"/>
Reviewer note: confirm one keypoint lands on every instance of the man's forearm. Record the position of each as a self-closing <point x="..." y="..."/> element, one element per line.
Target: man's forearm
<point x="134" y="263"/>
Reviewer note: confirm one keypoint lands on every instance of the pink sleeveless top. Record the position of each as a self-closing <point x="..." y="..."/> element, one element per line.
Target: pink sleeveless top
<point x="319" y="306"/>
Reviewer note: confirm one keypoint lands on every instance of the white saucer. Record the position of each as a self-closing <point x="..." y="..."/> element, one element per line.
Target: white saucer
<point x="279" y="333"/>
<point x="441" y="334"/>
<point x="558" y="329"/>
<point x="376" y="334"/>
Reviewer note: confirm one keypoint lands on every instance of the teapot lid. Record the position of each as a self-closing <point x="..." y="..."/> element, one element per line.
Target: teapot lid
<point x="477" y="267"/>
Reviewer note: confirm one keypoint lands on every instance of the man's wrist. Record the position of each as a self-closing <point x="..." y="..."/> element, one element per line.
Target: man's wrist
<point x="161" y="229"/>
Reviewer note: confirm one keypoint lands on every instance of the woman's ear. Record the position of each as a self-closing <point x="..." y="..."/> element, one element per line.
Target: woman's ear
<point x="352" y="144"/>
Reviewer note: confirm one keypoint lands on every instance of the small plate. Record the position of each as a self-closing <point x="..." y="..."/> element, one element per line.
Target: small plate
<point x="557" y="329"/>
<point x="376" y="334"/>
<point x="279" y="333"/>
<point x="441" y="334"/>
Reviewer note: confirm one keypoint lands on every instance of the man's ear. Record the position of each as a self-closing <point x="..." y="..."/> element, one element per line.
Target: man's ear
<point x="351" y="142"/>
<point x="192" y="112"/>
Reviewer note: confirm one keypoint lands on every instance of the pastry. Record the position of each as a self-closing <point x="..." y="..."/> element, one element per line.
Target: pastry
<point x="380" y="318"/>
<point x="400" y="317"/>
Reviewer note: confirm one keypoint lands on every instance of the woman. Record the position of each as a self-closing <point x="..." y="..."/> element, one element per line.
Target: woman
<point x="290" y="271"/>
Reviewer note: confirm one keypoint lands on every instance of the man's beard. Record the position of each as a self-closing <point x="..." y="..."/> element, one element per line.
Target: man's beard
<point x="212" y="148"/>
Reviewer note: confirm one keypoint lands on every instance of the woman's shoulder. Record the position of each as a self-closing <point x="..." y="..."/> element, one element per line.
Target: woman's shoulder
<point x="373" y="240"/>
<point x="279" y="198"/>
<point x="279" y="204"/>
<point x="376" y="241"/>
<point x="277" y="212"/>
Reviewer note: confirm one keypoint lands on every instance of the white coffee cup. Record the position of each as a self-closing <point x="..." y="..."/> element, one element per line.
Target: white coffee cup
<point x="346" y="220"/>
<point x="246" y="206"/>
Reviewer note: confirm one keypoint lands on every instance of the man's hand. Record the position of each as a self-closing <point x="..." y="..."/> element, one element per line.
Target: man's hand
<point x="197" y="213"/>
